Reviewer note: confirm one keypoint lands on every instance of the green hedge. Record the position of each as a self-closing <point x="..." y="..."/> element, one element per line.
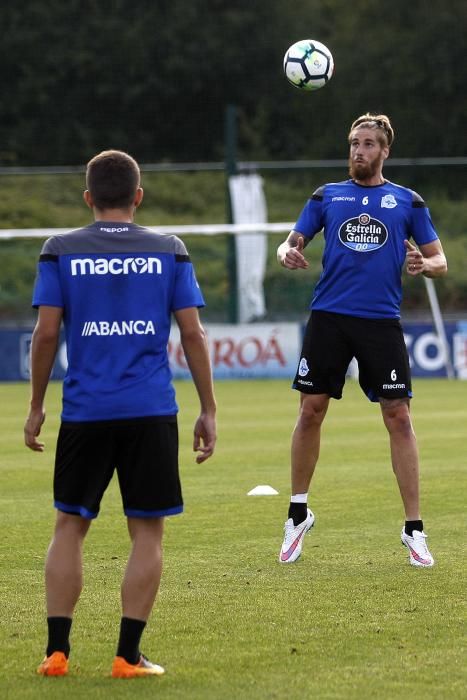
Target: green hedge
<point x="39" y="201"/>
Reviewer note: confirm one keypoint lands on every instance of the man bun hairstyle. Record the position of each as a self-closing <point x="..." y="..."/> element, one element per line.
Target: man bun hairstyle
<point x="379" y="122"/>
<point x="112" y="178"/>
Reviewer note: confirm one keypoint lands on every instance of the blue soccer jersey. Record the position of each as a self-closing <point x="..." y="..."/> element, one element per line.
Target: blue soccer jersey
<point x="364" y="231"/>
<point x="118" y="285"/>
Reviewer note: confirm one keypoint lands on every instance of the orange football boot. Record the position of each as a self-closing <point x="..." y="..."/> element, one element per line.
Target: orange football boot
<point x="122" y="669"/>
<point x="54" y="665"/>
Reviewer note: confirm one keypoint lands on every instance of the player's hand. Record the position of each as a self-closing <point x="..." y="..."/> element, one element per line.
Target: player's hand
<point x="32" y="429"/>
<point x="414" y="260"/>
<point x="204" y="437"/>
<point x="294" y="258"/>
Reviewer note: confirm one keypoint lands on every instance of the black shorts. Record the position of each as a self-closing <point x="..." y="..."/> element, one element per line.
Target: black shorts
<point x="143" y="451"/>
<point x="332" y="340"/>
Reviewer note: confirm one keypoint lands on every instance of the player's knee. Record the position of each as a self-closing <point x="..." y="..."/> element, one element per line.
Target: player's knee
<point x="312" y="413"/>
<point x="71" y="525"/>
<point x="397" y="421"/>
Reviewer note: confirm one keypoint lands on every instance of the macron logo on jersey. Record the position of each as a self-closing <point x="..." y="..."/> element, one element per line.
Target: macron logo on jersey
<point x="116" y="266"/>
<point x="118" y="328"/>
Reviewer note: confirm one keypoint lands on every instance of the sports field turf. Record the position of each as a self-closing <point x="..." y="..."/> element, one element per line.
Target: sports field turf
<point x="351" y="619"/>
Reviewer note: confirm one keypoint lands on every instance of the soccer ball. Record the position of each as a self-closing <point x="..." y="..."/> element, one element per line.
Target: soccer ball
<point x="308" y="64"/>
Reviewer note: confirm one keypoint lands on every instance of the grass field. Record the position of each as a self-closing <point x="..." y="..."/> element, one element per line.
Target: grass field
<point x="351" y="619"/>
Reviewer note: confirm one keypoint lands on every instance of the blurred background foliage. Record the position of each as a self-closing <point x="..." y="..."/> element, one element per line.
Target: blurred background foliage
<point x="155" y="79"/>
<point x="48" y="201"/>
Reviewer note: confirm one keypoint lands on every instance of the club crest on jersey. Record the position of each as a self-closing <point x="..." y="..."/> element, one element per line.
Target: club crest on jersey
<point x="388" y="201"/>
<point x="303" y="367"/>
<point x="363" y="233"/>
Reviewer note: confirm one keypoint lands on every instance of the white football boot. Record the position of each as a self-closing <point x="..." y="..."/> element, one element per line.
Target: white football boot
<point x="293" y="538"/>
<point x="418" y="551"/>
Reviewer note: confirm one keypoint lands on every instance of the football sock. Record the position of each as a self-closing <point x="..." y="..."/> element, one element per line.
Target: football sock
<point x="298" y="507"/>
<point x="59" y="634"/>
<point x="411" y="525"/>
<point x="299" y="498"/>
<point x="130" y="637"/>
<point x="297" y="511"/>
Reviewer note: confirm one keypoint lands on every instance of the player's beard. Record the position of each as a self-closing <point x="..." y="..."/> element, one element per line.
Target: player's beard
<point x="363" y="171"/>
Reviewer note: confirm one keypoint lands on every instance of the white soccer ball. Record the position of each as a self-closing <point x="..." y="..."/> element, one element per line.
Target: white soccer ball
<point x="308" y="64"/>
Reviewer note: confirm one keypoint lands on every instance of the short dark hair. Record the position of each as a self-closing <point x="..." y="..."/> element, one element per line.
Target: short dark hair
<point x="112" y="178"/>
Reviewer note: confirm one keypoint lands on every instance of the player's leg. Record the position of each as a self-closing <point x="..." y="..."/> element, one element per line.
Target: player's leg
<point x="324" y="359"/>
<point x="139" y="589"/>
<point x="304" y="456"/>
<point x="63" y="568"/>
<point x="63" y="584"/>
<point x="404" y="452"/>
<point x="144" y="568"/>
<point x="150" y="487"/>
<point x="80" y="478"/>
<point x="405" y="463"/>
<point x="306" y="440"/>
<point x="385" y="377"/>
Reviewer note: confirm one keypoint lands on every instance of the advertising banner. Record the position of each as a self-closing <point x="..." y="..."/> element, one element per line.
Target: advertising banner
<point x="255" y="350"/>
<point x="248" y="350"/>
<point x="426" y="352"/>
<point x="15" y="345"/>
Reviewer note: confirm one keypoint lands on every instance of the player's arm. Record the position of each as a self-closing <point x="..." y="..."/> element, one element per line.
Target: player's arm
<point x="289" y="253"/>
<point x="195" y="347"/>
<point x="428" y="259"/>
<point x="44" y="345"/>
<point x="310" y="221"/>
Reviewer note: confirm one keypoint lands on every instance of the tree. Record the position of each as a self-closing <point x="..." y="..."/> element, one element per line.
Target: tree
<point x="154" y="78"/>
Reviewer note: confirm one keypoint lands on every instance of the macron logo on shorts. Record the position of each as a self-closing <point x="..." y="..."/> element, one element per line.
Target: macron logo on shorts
<point x="118" y="328"/>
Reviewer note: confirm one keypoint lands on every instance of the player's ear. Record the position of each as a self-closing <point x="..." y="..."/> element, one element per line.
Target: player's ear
<point x="88" y="199"/>
<point x="139" y="196"/>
